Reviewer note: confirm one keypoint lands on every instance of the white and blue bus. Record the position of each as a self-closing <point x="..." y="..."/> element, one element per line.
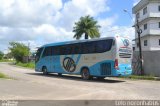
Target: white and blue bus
<point x="104" y="57"/>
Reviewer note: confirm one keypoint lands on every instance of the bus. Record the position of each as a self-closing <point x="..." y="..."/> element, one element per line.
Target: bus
<point x="100" y="58"/>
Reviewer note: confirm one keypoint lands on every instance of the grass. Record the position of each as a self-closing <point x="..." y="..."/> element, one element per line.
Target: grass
<point x="6" y="60"/>
<point x="26" y="65"/>
<point x="3" y="76"/>
<point x="138" y="77"/>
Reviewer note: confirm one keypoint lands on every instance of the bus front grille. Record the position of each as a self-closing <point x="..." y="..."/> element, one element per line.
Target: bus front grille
<point x="105" y="68"/>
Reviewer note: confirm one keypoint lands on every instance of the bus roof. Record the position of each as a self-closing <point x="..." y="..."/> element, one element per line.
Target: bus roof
<point x="76" y="41"/>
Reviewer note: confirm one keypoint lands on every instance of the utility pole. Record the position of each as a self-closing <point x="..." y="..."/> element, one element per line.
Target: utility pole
<point x="139" y="31"/>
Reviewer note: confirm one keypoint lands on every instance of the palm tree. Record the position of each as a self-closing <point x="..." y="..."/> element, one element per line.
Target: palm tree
<point x="88" y="26"/>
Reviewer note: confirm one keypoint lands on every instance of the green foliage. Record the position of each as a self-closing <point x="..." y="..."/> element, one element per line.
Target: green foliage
<point x="6" y="60"/>
<point x="88" y="26"/>
<point x="8" y="56"/>
<point x="1" y="55"/>
<point x="3" y="75"/>
<point x="27" y="65"/>
<point x="18" y="51"/>
<point x="144" y="77"/>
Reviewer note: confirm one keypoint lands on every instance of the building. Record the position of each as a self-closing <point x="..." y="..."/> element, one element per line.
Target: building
<point x="148" y="14"/>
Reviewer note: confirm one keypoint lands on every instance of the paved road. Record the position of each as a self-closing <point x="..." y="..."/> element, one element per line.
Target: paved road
<point x="34" y="86"/>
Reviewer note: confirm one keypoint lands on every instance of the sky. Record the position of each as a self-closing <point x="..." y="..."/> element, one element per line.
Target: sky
<point x="38" y="22"/>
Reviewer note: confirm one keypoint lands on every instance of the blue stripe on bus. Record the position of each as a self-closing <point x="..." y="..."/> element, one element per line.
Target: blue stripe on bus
<point x="78" y="58"/>
<point x="72" y="56"/>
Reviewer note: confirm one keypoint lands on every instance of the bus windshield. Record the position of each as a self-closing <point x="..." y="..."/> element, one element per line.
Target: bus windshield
<point x="38" y="54"/>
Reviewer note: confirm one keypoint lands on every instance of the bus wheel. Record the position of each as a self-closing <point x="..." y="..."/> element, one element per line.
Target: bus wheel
<point x="100" y="78"/>
<point x="44" y="70"/>
<point x="85" y="74"/>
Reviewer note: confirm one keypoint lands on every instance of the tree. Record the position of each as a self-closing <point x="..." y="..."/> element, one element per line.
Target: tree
<point x="18" y="50"/>
<point x="1" y="55"/>
<point x="8" y="56"/>
<point x="88" y="26"/>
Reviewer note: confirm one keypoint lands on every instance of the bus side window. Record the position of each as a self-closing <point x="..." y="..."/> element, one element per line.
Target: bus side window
<point x="56" y="50"/>
<point x="91" y="47"/>
<point x="84" y="48"/>
<point x="67" y="49"/>
<point x="100" y="46"/>
<point x="77" y="49"/>
<point x="49" y="51"/>
<point x="62" y="50"/>
<point x="104" y="45"/>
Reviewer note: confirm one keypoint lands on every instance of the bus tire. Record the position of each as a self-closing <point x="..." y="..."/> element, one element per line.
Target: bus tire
<point x="44" y="70"/>
<point x="85" y="74"/>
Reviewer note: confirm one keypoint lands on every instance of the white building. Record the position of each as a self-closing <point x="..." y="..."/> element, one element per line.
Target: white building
<point x="148" y="14"/>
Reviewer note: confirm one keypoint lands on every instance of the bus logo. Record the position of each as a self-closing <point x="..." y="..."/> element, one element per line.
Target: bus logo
<point x="126" y="42"/>
<point x="69" y="64"/>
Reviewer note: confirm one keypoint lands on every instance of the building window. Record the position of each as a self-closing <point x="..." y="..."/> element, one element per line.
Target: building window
<point x="145" y="26"/>
<point x="144" y="10"/>
<point x="159" y="24"/>
<point x="158" y="8"/>
<point x="159" y="42"/>
<point x="145" y="42"/>
<point x="134" y="48"/>
<point x="137" y="15"/>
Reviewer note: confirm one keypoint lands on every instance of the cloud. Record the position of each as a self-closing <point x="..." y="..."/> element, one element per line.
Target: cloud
<point x="74" y="9"/>
<point x="27" y="13"/>
<point x="46" y="21"/>
<point x="42" y="21"/>
<point x="108" y="28"/>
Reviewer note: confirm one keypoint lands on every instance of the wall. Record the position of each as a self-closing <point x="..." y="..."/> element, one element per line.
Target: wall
<point x="153" y="10"/>
<point x="153" y="43"/>
<point x="144" y="48"/>
<point x="152" y="23"/>
<point x="151" y="62"/>
<point x="152" y="27"/>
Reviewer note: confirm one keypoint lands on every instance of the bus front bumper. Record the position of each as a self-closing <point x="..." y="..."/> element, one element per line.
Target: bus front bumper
<point x="123" y="73"/>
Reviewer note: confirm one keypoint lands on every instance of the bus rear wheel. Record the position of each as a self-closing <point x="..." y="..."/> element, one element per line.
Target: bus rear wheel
<point x="85" y="74"/>
<point x="44" y="70"/>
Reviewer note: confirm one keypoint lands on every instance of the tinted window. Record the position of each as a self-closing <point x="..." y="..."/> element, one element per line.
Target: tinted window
<point x="80" y="48"/>
<point x="88" y="47"/>
<point x="104" y="45"/>
<point x="56" y="50"/>
<point x="71" y="49"/>
<point x="38" y="54"/>
<point x="77" y="48"/>
<point x="47" y="51"/>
